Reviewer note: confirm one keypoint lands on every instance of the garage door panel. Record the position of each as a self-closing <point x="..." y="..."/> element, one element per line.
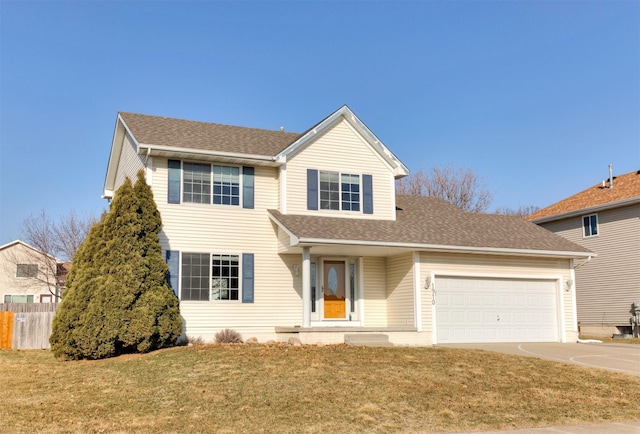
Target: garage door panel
<point x="495" y="310"/>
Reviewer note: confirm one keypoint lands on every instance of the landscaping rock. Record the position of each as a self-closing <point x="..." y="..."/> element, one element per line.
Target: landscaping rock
<point x="294" y="341"/>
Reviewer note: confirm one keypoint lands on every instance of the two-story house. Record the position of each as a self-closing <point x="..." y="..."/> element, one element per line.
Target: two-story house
<point x="27" y="275"/>
<point x="605" y="218"/>
<point x="277" y="234"/>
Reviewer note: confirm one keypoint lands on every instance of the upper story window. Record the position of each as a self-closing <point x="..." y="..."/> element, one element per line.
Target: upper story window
<point x="339" y="191"/>
<point x="210" y="184"/>
<point x="27" y="270"/>
<point x="590" y="225"/>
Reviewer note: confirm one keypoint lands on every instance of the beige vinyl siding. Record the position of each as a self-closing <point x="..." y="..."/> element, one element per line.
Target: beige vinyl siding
<point x="496" y="266"/>
<point x="400" y="299"/>
<point x="284" y="240"/>
<point x="233" y="230"/>
<point x="341" y="149"/>
<point x="375" y="292"/>
<point x="130" y="163"/>
<point x="610" y="282"/>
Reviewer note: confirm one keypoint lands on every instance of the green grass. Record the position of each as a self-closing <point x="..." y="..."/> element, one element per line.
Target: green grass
<point x="257" y="388"/>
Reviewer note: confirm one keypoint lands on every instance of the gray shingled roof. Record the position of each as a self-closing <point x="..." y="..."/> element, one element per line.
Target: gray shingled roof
<point x="432" y="221"/>
<point x="161" y="131"/>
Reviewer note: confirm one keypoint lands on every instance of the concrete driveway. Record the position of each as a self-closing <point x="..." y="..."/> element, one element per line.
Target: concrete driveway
<point x="613" y="357"/>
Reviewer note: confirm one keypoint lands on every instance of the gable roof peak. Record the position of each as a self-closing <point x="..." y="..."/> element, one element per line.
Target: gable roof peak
<point x="344" y="112"/>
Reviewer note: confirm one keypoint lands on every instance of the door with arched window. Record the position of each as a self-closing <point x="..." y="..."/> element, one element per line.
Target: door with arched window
<point x="334" y="289"/>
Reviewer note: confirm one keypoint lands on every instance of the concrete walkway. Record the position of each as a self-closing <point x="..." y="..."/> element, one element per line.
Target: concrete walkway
<point x="600" y="428"/>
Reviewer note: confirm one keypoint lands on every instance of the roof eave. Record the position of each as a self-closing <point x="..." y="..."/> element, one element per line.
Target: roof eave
<point x="449" y="249"/>
<point x="119" y="132"/>
<point x="588" y="210"/>
<point x="155" y="150"/>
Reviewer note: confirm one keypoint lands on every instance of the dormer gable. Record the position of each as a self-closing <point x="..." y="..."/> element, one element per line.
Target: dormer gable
<point x="344" y="113"/>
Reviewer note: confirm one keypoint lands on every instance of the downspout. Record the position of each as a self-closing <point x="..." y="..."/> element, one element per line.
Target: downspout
<point x="574" y="301"/>
<point x="583" y="263"/>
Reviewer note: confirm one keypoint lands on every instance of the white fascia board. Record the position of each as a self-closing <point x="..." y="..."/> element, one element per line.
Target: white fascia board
<point x="399" y="168"/>
<point x="450" y="249"/>
<point x="293" y="239"/>
<point x="180" y="150"/>
<point x="589" y="210"/>
<point x="121" y="129"/>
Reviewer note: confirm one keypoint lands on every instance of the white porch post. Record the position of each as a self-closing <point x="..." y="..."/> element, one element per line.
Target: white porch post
<point x="417" y="291"/>
<point x="306" y="287"/>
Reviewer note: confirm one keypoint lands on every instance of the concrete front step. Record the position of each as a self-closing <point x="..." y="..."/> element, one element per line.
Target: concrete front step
<point x="367" y="340"/>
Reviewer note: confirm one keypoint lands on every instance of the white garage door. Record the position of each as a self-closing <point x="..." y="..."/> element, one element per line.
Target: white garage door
<point x="495" y="310"/>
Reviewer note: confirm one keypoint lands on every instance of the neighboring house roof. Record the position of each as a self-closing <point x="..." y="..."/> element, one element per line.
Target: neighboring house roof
<point x="625" y="191"/>
<point x="62" y="272"/>
<point x="19" y="242"/>
<point x="429" y="223"/>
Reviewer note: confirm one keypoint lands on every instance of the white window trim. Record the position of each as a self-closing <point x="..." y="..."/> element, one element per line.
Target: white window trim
<point x="240" y="274"/>
<point x="597" y="225"/>
<point x="341" y="211"/>
<point x="240" y="185"/>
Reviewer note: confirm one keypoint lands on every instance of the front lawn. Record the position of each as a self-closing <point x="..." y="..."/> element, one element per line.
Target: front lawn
<point x="258" y="388"/>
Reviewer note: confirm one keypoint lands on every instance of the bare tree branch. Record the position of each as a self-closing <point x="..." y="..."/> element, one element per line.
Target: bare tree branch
<point x="56" y="242"/>
<point x="521" y="211"/>
<point x="69" y="233"/>
<point x="458" y="186"/>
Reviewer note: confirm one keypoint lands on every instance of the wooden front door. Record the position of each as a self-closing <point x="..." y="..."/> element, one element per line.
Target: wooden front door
<point x="334" y="293"/>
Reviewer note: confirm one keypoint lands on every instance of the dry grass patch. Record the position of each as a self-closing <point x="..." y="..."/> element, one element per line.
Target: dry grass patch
<point x="235" y="388"/>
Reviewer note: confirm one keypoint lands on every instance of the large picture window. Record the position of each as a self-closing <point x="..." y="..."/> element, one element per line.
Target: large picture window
<point x="208" y="277"/>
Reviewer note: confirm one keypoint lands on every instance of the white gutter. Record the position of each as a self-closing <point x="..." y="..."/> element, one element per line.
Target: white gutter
<point x="446" y="248"/>
<point x="583" y="263"/>
<point x="206" y="152"/>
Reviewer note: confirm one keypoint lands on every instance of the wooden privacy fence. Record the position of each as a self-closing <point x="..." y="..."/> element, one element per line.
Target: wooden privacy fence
<point x="26" y="325"/>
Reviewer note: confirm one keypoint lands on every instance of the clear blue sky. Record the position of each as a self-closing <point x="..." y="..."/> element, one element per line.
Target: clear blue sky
<point x="537" y="97"/>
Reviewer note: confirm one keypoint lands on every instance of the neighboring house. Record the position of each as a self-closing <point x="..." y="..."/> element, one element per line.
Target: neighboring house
<point x="604" y="218"/>
<point x="27" y="275"/>
<point x="278" y="234"/>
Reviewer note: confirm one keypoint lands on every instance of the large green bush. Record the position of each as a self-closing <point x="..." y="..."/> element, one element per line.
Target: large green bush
<point x="117" y="298"/>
